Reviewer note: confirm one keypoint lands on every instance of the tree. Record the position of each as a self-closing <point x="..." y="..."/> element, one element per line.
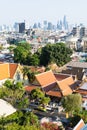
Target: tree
<point x="8" y="84"/>
<point x="20" y="121"/>
<point x="33" y="60"/>
<point x="44" y="101"/>
<point x="30" y="118"/>
<point x="18" y="85"/>
<point x="57" y="53"/>
<point x="31" y="76"/>
<point x="11" y="48"/>
<point x="37" y="94"/>
<point x="39" y="97"/>
<point x="23" y="103"/>
<point x="72" y="103"/>
<point x="11" y="96"/>
<point x="21" y="52"/>
<point x="27" y="72"/>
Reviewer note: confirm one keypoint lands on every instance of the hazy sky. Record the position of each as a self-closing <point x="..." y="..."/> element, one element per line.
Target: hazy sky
<point x="38" y="10"/>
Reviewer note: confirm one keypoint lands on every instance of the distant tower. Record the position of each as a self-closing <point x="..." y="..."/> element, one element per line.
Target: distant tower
<point x="45" y="25"/>
<point x="35" y="25"/>
<point x="65" y="23"/>
<point x="83" y="32"/>
<point x="50" y="26"/>
<point x="39" y="25"/>
<point x="16" y="27"/>
<point x="76" y="31"/>
<point x="21" y="27"/>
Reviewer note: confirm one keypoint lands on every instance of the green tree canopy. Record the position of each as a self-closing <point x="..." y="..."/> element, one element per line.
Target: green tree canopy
<point x="33" y="60"/>
<point x="37" y="94"/>
<point x="8" y="84"/>
<point x="21" y="52"/>
<point x="57" y="53"/>
<point x="29" y="73"/>
<point x="44" y="101"/>
<point x="20" y="121"/>
<point x="18" y="85"/>
<point x="72" y="103"/>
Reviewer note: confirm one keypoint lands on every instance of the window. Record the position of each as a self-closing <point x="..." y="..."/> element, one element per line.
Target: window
<point x="18" y="76"/>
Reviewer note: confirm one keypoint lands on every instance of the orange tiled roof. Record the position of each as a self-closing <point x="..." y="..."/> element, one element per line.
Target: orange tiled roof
<point x="79" y="125"/>
<point x="7" y="70"/>
<point x="64" y="86"/>
<point x="12" y="69"/>
<point x="4" y="71"/>
<point x="45" y="78"/>
<point x="82" y="91"/>
<point x="30" y="88"/>
<point x="54" y="93"/>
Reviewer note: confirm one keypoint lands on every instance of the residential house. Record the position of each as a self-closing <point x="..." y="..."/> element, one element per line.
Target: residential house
<point x="84" y="43"/>
<point x="10" y="71"/>
<point x="83" y="91"/>
<point x="72" y="42"/>
<point x="76" y="68"/>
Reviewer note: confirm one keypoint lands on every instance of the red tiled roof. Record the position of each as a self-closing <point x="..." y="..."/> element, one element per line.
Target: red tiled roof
<point x="64" y="86"/>
<point x="45" y="78"/>
<point x="81" y="91"/>
<point x="7" y="70"/>
<point x="30" y="88"/>
<point x="54" y="93"/>
<point x="12" y="69"/>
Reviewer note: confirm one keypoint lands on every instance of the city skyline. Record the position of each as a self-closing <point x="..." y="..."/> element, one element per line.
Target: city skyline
<point x="37" y="11"/>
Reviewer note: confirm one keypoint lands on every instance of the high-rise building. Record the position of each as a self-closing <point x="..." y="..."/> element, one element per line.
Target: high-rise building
<point x="45" y="25"/>
<point x="16" y="26"/>
<point x="45" y="22"/>
<point x="75" y="31"/>
<point x="21" y="27"/>
<point x="83" y="31"/>
<point x="59" y="25"/>
<point x="35" y="25"/>
<point x="39" y="25"/>
<point x="50" y="26"/>
<point x="65" y="23"/>
<point x="79" y="31"/>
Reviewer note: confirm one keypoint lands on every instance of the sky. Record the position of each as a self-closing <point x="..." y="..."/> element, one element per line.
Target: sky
<point x="38" y="10"/>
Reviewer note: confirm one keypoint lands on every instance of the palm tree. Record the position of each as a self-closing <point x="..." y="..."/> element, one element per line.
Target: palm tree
<point x="30" y="75"/>
<point x="25" y="71"/>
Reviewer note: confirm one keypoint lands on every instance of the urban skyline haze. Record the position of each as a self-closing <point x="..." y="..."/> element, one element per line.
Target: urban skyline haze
<point x="39" y="10"/>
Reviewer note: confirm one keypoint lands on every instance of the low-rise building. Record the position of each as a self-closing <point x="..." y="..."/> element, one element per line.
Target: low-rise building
<point x="10" y="71"/>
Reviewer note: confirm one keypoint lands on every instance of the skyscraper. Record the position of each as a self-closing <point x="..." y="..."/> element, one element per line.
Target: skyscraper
<point x="50" y="26"/>
<point x="21" y="27"/>
<point x="65" y="23"/>
<point x="16" y="27"/>
<point x="45" y="25"/>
